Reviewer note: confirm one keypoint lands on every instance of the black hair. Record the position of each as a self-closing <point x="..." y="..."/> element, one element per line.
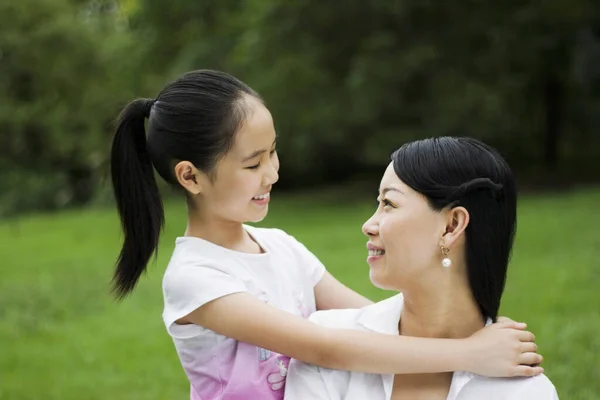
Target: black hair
<point x="195" y="118"/>
<point x="465" y="172"/>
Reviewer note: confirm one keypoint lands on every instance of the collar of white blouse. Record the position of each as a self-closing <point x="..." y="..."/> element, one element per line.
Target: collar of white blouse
<point x="383" y="317"/>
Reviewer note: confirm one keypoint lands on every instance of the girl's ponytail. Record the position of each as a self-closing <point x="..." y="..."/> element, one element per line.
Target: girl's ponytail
<point x="195" y="119"/>
<point x="136" y="192"/>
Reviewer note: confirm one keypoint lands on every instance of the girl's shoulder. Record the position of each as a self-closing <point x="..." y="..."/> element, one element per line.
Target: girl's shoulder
<point x="273" y="237"/>
<point x="267" y="233"/>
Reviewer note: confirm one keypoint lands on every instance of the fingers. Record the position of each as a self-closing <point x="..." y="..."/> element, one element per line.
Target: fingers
<point x="530" y="359"/>
<point x="528" y="347"/>
<point x="524" y="370"/>
<point x="526" y="336"/>
<point x="505" y="322"/>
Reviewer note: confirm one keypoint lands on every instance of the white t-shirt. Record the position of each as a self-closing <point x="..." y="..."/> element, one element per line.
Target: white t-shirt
<point x="307" y="381"/>
<point x="284" y="276"/>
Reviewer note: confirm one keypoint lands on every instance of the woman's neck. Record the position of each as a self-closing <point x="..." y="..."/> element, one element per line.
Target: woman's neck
<point x="442" y="307"/>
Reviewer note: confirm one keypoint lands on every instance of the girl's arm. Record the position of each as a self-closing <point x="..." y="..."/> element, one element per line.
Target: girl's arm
<point x="332" y="294"/>
<point x="496" y="350"/>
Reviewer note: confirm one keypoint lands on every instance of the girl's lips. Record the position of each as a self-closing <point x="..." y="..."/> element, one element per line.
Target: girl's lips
<point x="263" y="200"/>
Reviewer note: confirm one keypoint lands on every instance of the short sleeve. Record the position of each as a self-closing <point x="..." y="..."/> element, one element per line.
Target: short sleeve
<point x="304" y="381"/>
<point x="190" y="287"/>
<point x="518" y="388"/>
<point x="540" y="388"/>
<point x="311" y="264"/>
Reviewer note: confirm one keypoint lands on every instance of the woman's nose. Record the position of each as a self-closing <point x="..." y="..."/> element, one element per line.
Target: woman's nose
<point x="371" y="227"/>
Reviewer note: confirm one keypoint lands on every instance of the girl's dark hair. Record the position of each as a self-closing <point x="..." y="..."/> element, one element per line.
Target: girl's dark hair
<point x="452" y="172"/>
<point x="195" y="119"/>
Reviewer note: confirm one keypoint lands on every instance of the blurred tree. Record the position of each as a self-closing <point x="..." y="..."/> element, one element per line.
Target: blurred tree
<point x="64" y="67"/>
<point x="347" y="82"/>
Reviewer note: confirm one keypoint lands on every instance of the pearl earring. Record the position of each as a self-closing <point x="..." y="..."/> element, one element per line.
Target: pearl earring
<point x="446" y="262"/>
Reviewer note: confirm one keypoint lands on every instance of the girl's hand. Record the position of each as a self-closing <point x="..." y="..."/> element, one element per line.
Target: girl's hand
<point x="504" y="349"/>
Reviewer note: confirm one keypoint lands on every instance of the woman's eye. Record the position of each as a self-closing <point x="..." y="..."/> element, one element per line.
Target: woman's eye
<point x="253" y="166"/>
<point x="386" y="203"/>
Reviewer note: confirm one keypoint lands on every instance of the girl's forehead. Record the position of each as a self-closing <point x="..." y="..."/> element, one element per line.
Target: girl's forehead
<point x="256" y="132"/>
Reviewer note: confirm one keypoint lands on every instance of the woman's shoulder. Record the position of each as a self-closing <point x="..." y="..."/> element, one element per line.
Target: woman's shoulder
<point x="343" y="319"/>
<point x="521" y="388"/>
<point x="355" y="318"/>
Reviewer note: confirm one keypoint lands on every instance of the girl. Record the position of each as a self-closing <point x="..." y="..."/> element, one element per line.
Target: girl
<point x="236" y="298"/>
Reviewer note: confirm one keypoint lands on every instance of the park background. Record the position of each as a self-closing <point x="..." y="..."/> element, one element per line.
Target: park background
<point x="347" y="82"/>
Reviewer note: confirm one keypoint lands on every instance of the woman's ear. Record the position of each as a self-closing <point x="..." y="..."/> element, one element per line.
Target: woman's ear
<point x="457" y="220"/>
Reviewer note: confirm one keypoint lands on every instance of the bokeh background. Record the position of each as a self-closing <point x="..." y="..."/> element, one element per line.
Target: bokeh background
<point x="347" y="82"/>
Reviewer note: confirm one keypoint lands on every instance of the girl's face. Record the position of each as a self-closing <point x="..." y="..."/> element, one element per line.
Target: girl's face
<point x="404" y="235"/>
<point x="240" y="188"/>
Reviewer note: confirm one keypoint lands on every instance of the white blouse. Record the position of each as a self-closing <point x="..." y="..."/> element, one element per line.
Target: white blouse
<point x="308" y="382"/>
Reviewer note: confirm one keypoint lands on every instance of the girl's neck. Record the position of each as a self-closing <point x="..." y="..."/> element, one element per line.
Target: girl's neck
<point x="228" y="234"/>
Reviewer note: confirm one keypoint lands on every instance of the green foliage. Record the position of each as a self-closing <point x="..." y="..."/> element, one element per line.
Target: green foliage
<point x="64" y="71"/>
<point x="346" y="83"/>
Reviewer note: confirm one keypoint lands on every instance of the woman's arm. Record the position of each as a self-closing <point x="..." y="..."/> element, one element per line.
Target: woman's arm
<point x="332" y="294"/>
<point x="496" y="350"/>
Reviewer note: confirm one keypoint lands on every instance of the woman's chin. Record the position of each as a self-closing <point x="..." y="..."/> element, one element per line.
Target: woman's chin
<point x="376" y="280"/>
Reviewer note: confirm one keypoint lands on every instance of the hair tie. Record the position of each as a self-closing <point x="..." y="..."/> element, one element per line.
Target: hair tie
<point x="148" y="104"/>
<point x="475" y="185"/>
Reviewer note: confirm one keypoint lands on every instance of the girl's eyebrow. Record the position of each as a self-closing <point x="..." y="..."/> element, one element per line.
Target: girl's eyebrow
<point x="258" y="152"/>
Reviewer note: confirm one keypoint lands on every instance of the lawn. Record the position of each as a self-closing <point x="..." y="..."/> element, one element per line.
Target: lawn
<point x="63" y="337"/>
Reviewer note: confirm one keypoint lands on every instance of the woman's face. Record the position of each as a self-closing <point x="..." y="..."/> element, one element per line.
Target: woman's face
<point x="405" y="235"/>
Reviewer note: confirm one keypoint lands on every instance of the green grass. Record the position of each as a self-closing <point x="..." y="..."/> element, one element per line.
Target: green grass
<point x="63" y="337"/>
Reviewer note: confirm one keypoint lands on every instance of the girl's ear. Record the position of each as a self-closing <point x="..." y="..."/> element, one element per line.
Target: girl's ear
<point x="189" y="177"/>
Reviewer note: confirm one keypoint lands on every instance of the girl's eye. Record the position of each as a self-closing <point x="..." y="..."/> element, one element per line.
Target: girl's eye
<point x="386" y="203"/>
<point x="255" y="167"/>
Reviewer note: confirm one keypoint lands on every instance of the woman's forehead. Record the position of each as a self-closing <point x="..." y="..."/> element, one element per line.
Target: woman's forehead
<point x="389" y="177"/>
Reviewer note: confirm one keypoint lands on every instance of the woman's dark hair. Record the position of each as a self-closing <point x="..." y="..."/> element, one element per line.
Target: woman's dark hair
<point x="195" y="119"/>
<point x="452" y="172"/>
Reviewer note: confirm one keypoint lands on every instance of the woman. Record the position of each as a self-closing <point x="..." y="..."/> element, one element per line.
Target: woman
<point x="442" y="236"/>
